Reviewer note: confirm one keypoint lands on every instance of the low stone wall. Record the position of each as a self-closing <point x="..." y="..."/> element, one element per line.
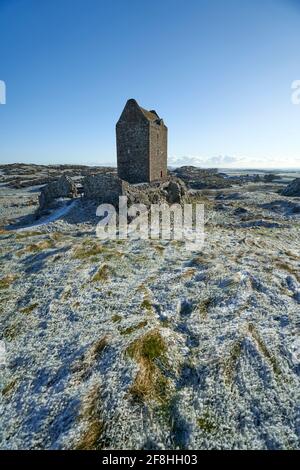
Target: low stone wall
<point x="108" y="188"/>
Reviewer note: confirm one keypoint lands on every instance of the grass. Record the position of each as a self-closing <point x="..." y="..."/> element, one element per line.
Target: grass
<point x="90" y="413"/>
<point x="6" y="281"/>
<point x="149" y="383"/>
<point x="132" y="329"/>
<point x="147" y="305"/>
<point x="40" y="246"/>
<point x="231" y="362"/>
<point x="288" y="268"/>
<point x="189" y="273"/>
<point x="86" y="251"/>
<point x="27" y="234"/>
<point x="12" y="331"/>
<point x="264" y="350"/>
<point x="102" y="275"/>
<point x="203" y="307"/>
<point x="84" y="365"/>
<point x="116" y="318"/>
<point x="8" y="389"/>
<point x="206" y="424"/>
<point x="29" y="309"/>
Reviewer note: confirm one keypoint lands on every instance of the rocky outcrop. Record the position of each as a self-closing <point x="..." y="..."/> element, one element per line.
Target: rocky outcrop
<point x="63" y="187"/>
<point x="293" y="189"/>
<point x="176" y="191"/>
<point x="201" y="178"/>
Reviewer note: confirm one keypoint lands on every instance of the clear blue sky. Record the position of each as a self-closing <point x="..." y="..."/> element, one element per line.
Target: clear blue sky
<point x="219" y="72"/>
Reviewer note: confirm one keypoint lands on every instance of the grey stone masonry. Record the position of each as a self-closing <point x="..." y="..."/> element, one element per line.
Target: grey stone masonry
<point x="142" y="145"/>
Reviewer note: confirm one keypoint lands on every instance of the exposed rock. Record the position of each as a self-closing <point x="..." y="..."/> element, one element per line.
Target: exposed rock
<point x="176" y="190"/>
<point x="293" y="189"/>
<point x="63" y="187"/>
<point x="202" y="178"/>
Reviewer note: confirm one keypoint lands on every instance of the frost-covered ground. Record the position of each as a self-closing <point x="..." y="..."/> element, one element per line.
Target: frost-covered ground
<point x="137" y="344"/>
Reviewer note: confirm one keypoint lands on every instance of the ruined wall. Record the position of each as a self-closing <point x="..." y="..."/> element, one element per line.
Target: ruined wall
<point x="158" y="151"/>
<point x="103" y="188"/>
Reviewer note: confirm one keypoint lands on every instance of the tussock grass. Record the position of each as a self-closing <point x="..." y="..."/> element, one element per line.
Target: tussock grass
<point x="86" y="251"/>
<point x="116" y="318"/>
<point x="207" y="424"/>
<point x="12" y="331"/>
<point x="84" y="365"/>
<point x="57" y="236"/>
<point x="40" y="246"/>
<point x="263" y="349"/>
<point x="102" y="275"/>
<point x="90" y="413"/>
<point x="6" y="281"/>
<point x="27" y="234"/>
<point x="132" y="329"/>
<point x="147" y="305"/>
<point x="189" y="273"/>
<point x="231" y="362"/>
<point x="9" y="388"/>
<point x="289" y="269"/>
<point x="149" y="383"/>
<point x="29" y="309"/>
<point x="204" y="306"/>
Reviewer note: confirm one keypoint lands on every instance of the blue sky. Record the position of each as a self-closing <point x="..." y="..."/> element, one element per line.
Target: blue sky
<point x="219" y="73"/>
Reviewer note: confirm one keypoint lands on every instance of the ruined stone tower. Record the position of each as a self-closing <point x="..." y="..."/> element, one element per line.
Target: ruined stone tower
<point x="141" y="145"/>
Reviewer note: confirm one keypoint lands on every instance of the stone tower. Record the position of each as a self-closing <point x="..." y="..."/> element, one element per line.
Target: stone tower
<point x="141" y="145"/>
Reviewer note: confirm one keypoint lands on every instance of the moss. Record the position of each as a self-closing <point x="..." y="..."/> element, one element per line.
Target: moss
<point x="116" y="318"/>
<point x="6" y="281"/>
<point x="102" y="275"/>
<point x="206" y="424"/>
<point x="29" y="309"/>
<point x="134" y="328"/>
<point x="149" y="384"/>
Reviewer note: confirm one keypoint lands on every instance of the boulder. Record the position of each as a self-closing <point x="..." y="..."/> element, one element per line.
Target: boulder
<point x="64" y="187"/>
<point x="176" y="191"/>
<point x="292" y="189"/>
